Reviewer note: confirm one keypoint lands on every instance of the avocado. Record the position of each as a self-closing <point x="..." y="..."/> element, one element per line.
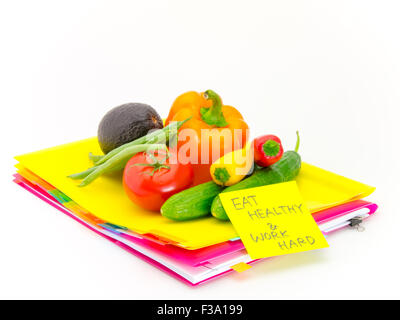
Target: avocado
<point x="126" y="123"/>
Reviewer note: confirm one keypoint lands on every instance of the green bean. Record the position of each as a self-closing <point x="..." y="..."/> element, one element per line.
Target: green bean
<point x="94" y="157"/>
<point x="151" y="138"/>
<point x="169" y="131"/>
<point x="83" y="174"/>
<point x="119" y="160"/>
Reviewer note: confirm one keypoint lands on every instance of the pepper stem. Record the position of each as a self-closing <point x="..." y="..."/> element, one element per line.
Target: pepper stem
<point x="222" y="175"/>
<point x="271" y="148"/>
<point x="213" y="115"/>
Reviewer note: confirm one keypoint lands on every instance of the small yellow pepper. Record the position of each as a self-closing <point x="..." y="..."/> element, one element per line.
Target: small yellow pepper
<point x="233" y="166"/>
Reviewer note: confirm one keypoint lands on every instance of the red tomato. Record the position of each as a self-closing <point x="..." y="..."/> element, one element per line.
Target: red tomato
<point x="149" y="183"/>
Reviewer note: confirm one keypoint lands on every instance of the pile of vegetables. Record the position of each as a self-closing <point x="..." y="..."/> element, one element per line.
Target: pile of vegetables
<point x="133" y="139"/>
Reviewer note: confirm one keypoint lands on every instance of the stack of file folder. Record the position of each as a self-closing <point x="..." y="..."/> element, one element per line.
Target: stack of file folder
<point x="192" y="251"/>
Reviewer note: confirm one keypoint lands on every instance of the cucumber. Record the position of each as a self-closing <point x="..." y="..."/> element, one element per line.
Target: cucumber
<point x="286" y="169"/>
<point x="191" y="203"/>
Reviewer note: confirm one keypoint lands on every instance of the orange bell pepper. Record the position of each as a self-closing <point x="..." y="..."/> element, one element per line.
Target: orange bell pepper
<point x="227" y="131"/>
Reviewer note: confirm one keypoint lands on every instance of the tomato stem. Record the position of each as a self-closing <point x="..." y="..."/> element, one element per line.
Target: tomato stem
<point x="156" y="165"/>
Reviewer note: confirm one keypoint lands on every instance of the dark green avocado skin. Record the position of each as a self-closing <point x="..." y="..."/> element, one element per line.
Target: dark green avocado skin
<point x="126" y="123"/>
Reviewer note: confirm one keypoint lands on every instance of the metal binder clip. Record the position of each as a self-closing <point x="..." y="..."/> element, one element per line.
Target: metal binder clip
<point x="356" y="223"/>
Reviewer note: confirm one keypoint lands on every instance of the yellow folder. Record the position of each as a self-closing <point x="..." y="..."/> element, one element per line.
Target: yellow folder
<point x="106" y="199"/>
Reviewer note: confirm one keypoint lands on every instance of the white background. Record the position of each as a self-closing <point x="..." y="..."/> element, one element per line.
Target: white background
<point x="329" y="69"/>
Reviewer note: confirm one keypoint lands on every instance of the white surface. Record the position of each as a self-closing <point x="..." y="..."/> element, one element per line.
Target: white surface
<point x="328" y="69"/>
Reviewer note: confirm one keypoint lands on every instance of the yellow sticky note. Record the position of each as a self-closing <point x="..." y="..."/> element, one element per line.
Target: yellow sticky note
<point x="273" y="220"/>
<point x="240" y="267"/>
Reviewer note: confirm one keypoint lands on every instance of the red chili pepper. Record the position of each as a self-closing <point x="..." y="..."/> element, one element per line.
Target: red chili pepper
<point x="267" y="150"/>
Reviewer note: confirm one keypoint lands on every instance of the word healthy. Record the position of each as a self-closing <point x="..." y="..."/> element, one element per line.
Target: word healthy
<point x="273" y="232"/>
